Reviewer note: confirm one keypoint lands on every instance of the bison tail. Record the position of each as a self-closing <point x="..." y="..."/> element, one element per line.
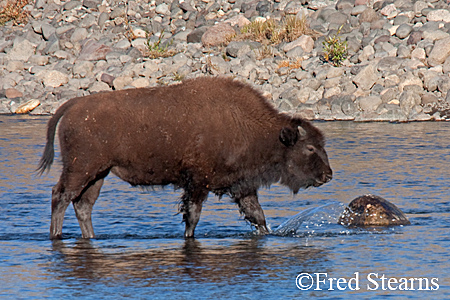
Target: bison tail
<point x="49" y="152"/>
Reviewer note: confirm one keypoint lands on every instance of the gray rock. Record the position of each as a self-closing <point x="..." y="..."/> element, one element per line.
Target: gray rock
<point x="47" y="30"/>
<point x="285" y="105"/>
<point x="108" y="79"/>
<point x="88" y="21"/>
<point x="102" y="18"/>
<point x="83" y="69"/>
<point x="52" y="45"/>
<point x="366" y="78"/>
<point x="180" y="59"/>
<point x="91" y="3"/>
<point x="22" y="50"/>
<point x="118" y="11"/>
<point x="446" y="65"/>
<point x="391" y="113"/>
<point x="444" y="85"/>
<point x="196" y="35"/>
<point x="414" y="38"/>
<point x="368" y="15"/>
<point x="78" y="35"/>
<point x="312" y="83"/>
<point x="99" y="87"/>
<point x="389" y="64"/>
<point x="389" y="95"/>
<point x="121" y="82"/>
<point x="184" y="71"/>
<point x="403" y="31"/>
<point x="409" y="100"/>
<point x="93" y="50"/>
<point x="428" y="98"/>
<point x="238" y="49"/>
<point x="162" y="9"/>
<point x="70" y="5"/>
<point x="369" y="103"/>
<point x="295" y="52"/>
<point x="434" y="35"/>
<point x="337" y="18"/>
<point x="219" y="34"/>
<point x="217" y="65"/>
<point x="53" y="78"/>
<point x="348" y="106"/>
<point x="39" y="60"/>
<point x="440" y="52"/>
<point x="358" y="9"/>
<point x="14" y="65"/>
<point x="431" y="83"/>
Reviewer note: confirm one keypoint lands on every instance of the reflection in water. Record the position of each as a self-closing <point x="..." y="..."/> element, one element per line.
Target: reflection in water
<point x="223" y="262"/>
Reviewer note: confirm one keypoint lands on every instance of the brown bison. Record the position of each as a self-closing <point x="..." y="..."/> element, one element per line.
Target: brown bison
<point x="372" y="210"/>
<point x="203" y="135"/>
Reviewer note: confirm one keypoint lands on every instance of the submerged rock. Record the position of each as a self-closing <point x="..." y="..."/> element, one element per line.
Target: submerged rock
<point x="27" y="107"/>
<point x="371" y="210"/>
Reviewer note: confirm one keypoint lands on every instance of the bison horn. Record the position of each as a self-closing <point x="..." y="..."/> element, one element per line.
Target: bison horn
<point x="301" y="131"/>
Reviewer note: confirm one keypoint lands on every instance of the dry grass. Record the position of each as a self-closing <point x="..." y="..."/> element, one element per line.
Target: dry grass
<point x="260" y="31"/>
<point x="265" y="51"/>
<point x="273" y="32"/>
<point x="297" y="64"/>
<point x="293" y="28"/>
<point x="13" y="11"/>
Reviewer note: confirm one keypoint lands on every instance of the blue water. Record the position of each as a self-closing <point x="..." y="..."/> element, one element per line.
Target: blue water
<point x="140" y="253"/>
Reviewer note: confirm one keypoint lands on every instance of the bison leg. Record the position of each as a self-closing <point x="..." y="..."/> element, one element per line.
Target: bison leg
<point x="60" y="201"/>
<point x="191" y="207"/>
<point x="80" y="184"/>
<point x="83" y="208"/>
<point x="252" y="211"/>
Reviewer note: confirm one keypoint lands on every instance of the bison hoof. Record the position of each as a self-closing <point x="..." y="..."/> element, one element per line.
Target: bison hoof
<point x="262" y="229"/>
<point x="56" y="236"/>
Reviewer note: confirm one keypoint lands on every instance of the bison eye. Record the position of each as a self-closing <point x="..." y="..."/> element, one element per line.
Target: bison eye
<point x="311" y="149"/>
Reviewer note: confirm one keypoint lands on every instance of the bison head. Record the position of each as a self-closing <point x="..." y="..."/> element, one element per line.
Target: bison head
<point x="306" y="162"/>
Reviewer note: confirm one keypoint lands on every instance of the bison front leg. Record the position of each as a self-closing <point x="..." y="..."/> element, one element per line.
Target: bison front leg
<point x="252" y="211"/>
<point x="191" y="207"/>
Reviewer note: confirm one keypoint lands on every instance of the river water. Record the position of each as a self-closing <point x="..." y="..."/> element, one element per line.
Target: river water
<point x="140" y="252"/>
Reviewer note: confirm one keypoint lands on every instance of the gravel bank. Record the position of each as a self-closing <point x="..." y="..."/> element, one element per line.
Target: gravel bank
<point x="397" y="68"/>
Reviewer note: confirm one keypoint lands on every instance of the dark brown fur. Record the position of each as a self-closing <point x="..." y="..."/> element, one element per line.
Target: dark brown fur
<point x="206" y="134"/>
<point x="372" y="210"/>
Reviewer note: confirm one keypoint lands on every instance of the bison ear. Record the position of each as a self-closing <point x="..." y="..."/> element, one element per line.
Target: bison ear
<point x="289" y="136"/>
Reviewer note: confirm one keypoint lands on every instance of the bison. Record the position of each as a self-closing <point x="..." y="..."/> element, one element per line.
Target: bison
<point x="204" y="135"/>
<point x="371" y="210"/>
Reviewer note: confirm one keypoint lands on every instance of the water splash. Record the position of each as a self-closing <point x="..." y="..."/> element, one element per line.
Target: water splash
<point x="315" y="220"/>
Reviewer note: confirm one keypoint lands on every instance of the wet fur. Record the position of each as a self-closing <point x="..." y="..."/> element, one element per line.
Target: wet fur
<point x="207" y="134"/>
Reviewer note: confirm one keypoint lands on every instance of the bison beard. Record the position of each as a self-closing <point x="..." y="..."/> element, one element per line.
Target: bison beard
<point x="204" y="135"/>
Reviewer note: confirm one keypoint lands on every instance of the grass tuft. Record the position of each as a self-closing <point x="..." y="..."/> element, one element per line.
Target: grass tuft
<point x="14" y="11"/>
<point x="157" y="49"/>
<point x="335" y="50"/>
<point x="273" y="32"/>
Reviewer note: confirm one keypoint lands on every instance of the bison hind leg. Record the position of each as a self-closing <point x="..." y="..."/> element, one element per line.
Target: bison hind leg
<point x="252" y="211"/>
<point x="191" y="207"/>
<point x="83" y="208"/>
<point x="60" y="200"/>
<point x="82" y="189"/>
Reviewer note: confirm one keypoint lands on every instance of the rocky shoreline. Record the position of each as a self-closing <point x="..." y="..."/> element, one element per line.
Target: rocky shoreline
<point x="397" y="68"/>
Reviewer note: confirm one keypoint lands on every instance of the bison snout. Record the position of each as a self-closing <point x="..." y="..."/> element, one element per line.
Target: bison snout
<point x="324" y="178"/>
<point x="327" y="176"/>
